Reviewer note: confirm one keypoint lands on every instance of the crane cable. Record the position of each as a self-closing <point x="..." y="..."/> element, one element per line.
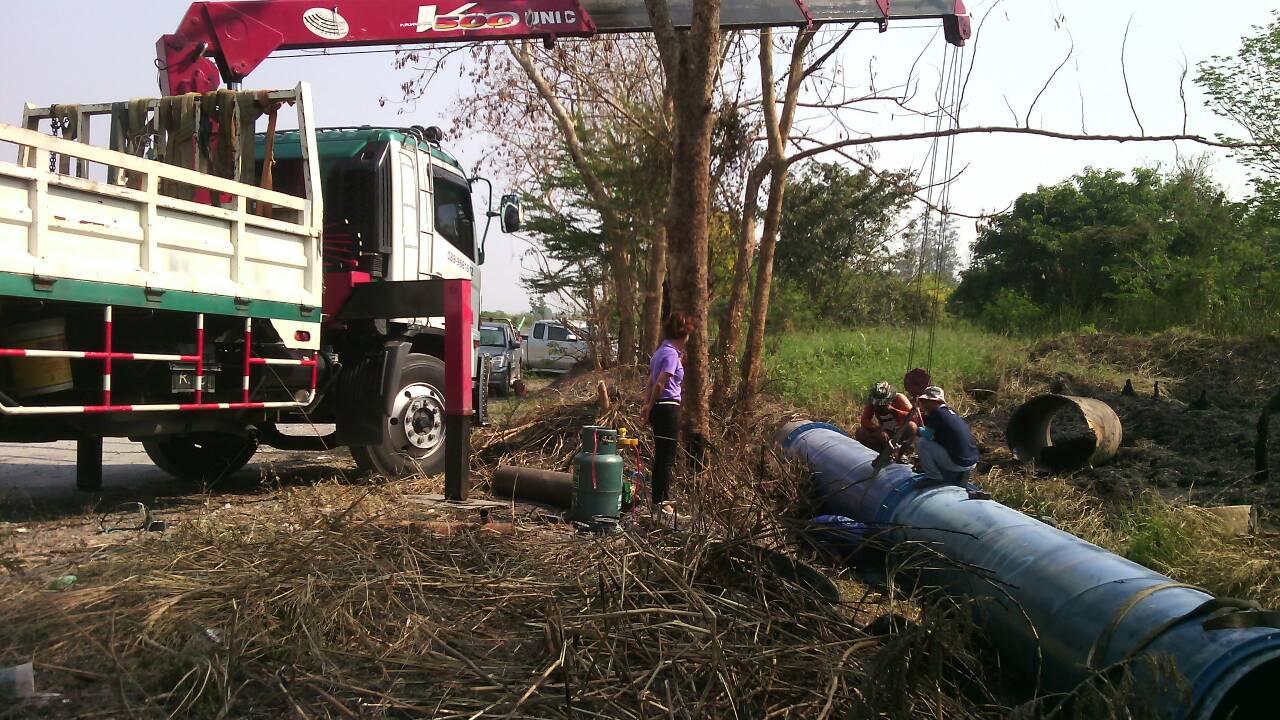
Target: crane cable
<point x="932" y="237"/>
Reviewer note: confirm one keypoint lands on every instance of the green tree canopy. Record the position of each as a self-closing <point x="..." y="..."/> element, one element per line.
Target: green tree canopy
<point x="1142" y="251"/>
<point x="838" y="223"/>
<point x="1246" y="89"/>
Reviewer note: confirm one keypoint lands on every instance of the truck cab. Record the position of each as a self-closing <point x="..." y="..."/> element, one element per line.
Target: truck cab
<point x="397" y="207"/>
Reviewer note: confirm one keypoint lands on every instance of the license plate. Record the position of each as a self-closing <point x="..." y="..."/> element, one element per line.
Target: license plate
<point x="182" y="378"/>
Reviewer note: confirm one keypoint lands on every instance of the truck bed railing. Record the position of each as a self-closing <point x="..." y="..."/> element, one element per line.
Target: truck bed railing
<point x="119" y="218"/>
<point x="109" y="355"/>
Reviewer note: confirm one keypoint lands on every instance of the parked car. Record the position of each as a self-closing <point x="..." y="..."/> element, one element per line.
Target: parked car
<point x="501" y="343"/>
<point x="553" y="347"/>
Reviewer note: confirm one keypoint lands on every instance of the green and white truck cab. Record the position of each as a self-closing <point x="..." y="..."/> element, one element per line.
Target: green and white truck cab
<point x="397" y="206"/>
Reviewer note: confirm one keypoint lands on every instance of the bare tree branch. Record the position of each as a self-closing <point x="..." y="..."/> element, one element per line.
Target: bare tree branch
<point x="1080" y="90"/>
<point x="995" y="129"/>
<point x="562" y="119"/>
<point x="977" y="46"/>
<point x="816" y="64"/>
<point x="665" y="33"/>
<point x="1182" y="90"/>
<point x="1010" y="106"/>
<point x="916" y="193"/>
<point x="1125" y="74"/>
<point x="1057" y="70"/>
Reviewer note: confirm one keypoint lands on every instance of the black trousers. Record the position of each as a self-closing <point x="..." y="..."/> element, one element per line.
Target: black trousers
<point x="665" y="420"/>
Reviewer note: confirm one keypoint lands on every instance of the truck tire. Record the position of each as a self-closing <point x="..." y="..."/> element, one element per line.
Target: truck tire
<point x="413" y="435"/>
<point x="201" y="457"/>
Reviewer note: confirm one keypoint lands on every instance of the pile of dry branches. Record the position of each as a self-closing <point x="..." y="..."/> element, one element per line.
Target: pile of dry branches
<point x="339" y="601"/>
<point x="330" y="605"/>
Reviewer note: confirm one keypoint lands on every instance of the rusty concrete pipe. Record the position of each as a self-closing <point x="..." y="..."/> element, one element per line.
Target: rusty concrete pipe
<point x="1030" y="432"/>
<point x="546" y="486"/>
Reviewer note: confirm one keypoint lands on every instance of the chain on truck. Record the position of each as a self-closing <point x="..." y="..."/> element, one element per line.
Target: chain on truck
<point x="202" y="277"/>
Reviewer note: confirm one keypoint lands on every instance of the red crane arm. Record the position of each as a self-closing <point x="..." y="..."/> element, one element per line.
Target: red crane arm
<point x="228" y="40"/>
<point x="612" y="16"/>
<point x="219" y="41"/>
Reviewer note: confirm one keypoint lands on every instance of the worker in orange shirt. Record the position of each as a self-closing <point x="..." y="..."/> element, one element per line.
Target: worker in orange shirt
<point x="883" y="418"/>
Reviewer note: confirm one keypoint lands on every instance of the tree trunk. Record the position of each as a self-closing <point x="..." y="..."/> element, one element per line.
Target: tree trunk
<point x="651" y="335"/>
<point x="624" y="296"/>
<point x="690" y="59"/>
<point x="687" y="230"/>
<point x="751" y="359"/>
<point x="778" y="128"/>
<point x="726" y="352"/>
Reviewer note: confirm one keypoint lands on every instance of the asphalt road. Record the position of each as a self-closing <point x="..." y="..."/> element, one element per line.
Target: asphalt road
<point x="37" y="476"/>
<point x="46" y="472"/>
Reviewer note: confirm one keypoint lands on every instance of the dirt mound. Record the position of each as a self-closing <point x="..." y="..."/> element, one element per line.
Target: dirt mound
<point x="1193" y="440"/>
<point x="1232" y="372"/>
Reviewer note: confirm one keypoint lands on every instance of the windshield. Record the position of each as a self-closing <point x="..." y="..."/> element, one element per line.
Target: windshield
<point x="492" y="336"/>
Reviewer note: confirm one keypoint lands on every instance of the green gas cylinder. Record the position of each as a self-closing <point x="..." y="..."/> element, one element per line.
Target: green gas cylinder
<point x="597" y="475"/>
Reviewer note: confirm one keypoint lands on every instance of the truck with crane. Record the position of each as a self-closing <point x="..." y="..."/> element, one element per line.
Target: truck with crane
<point x="203" y="281"/>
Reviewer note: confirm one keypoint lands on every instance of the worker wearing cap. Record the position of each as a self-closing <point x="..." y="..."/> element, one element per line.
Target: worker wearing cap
<point x="883" y="416"/>
<point x="947" y="450"/>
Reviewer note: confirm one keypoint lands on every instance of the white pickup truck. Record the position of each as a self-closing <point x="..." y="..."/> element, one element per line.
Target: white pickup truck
<point x="204" y="278"/>
<point x="553" y="347"/>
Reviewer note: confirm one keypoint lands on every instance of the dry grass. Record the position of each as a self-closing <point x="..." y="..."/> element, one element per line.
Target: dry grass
<point x="338" y="601"/>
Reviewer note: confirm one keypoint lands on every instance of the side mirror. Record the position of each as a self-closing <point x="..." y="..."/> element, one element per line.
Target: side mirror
<point x="512" y="214"/>
<point x="571" y="338"/>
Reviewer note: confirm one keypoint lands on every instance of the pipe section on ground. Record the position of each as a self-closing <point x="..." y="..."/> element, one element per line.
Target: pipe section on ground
<point x="1088" y="432"/>
<point x="1051" y="603"/>
<point x="545" y="486"/>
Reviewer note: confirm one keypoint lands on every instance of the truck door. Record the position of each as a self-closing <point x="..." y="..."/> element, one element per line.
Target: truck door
<point x="406" y="264"/>
<point x="537" y="346"/>
<point x="561" y="353"/>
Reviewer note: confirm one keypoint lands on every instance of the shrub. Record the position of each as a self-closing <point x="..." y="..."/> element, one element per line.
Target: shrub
<point x="1012" y="313"/>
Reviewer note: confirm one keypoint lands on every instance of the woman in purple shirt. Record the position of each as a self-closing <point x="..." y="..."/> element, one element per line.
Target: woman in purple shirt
<point x="662" y="401"/>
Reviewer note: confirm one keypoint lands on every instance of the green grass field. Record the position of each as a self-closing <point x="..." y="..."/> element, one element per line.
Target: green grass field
<point x="829" y="372"/>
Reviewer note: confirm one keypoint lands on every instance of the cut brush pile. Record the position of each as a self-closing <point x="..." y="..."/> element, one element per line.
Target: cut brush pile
<point x="336" y="601"/>
<point x="344" y="614"/>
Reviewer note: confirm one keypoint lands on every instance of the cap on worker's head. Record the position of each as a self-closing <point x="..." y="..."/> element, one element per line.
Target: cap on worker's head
<point x="880" y="393"/>
<point x="934" y="393"/>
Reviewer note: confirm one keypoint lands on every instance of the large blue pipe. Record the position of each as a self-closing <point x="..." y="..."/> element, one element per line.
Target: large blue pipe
<point x="1053" y="604"/>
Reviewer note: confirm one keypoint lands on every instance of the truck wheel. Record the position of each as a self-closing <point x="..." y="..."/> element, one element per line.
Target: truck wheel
<point x="413" y="435"/>
<point x="504" y="388"/>
<point x="200" y="457"/>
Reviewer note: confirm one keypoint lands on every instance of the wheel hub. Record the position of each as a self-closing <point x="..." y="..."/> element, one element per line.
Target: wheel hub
<point x="418" y="418"/>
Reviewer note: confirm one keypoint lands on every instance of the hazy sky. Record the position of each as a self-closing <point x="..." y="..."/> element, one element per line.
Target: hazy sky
<point x="94" y="50"/>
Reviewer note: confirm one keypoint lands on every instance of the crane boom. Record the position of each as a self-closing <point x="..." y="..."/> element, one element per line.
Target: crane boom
<point x="620" y="16"/>
<point x="219" y="41"/>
